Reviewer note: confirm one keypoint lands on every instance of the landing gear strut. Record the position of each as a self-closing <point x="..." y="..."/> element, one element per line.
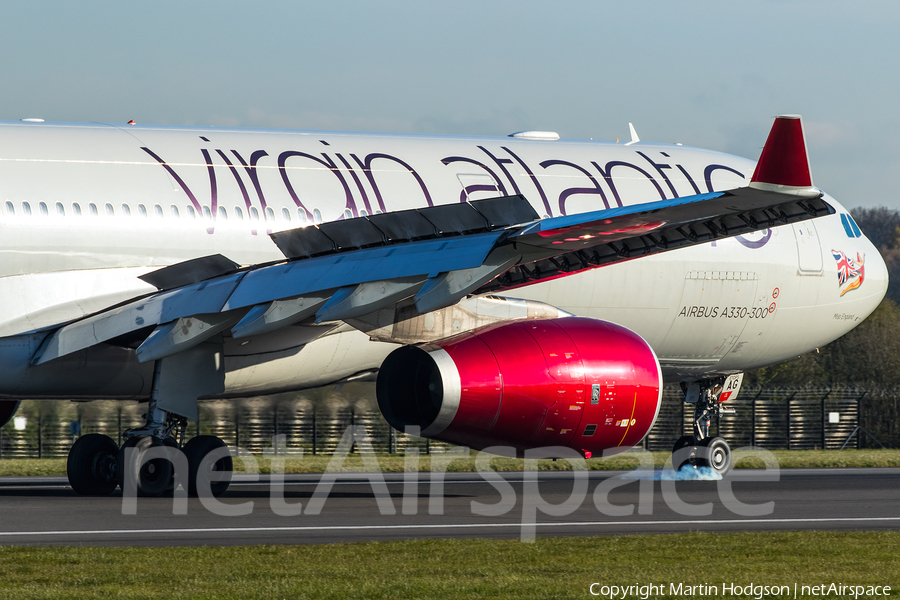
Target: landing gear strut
<point x="96" y="465"/>
<point x="148" y="458"/>
<point x="699" y="449"/>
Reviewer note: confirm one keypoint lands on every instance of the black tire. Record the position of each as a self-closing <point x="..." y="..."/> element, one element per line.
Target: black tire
<point x="682" y="442"/>
<point x="715" y="454"/>
<point x="681" y="455"/>
<point x="200" y="466"/>
<point x="91" y="465"/>
<point x="170" y="488"/>
<point x="154" y="476"/>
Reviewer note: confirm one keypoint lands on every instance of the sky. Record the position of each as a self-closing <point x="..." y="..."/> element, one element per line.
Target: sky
<point x="703" y="73"/>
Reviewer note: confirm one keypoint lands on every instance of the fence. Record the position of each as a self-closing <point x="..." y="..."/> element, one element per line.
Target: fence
<point x="785" y="417"/>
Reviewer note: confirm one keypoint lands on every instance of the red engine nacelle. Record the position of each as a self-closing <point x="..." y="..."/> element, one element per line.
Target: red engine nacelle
<point x="576" y="382"/>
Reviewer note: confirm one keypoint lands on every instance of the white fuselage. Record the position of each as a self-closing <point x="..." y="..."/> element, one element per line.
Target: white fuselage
<point x="85" y="209"/>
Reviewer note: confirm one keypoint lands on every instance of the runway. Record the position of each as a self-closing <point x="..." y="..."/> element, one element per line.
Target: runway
<point x="364" y="507"/>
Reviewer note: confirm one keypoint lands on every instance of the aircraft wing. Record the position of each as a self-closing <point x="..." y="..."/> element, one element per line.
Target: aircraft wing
<point x="347" y="269"/>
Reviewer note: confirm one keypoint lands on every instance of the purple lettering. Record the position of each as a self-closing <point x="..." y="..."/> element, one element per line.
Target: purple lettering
<point x="240" y="182"/>
<point x="689" y="178"/>
<point x="607" y="175"/>
<point x="359" y="185"/>
<point x="707" y="174"/>
<point x="325" y="162"/>
<point x="175" y="176"/>
<point x="366" y="166"/>
<point x="502" y="162"/>
<point x="534" y="180"/>
<point x="251" y="171"/>
<point x="213" y="189"/>
<point x="471" y="189"/>
<point x="660" y="168"/>
<point x="564" y="195"/>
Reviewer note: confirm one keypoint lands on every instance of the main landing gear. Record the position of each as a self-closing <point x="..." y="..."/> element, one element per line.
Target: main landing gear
<point x="148" y="458"/>
<point x="700" y="450"/>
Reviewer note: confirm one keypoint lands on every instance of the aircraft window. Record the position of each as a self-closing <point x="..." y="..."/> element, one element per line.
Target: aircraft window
<point x="142" y="210"/>
<point x="157" y="211"/>
<point x="846" y="223"/>
<point x="364" y="213"/>
<point x="223" y="214"/>
<point x="126" y="210"/>
<point x="110" y="211"/>
<point x="270" y="214"/>
<point x="174" y="210"/>
<point x="42" y="207"/>
<point x="855" y="226"/>
<point x="93" y="209"/>
<point x="238" y="213"/>
<point x="76" y="209"/>
<point x="191" y="212"/>
<point x="254" y="214"/>
<point x="26" y="209"/>
<point x="206" y="214"/>
<point x="348" y="214"/>
<point x="317" y="216"/>
<point x="286" y="214"/>
<point x="10" y="209"/>
<point x="301" y="214"/>
<point x="60" y="209"/>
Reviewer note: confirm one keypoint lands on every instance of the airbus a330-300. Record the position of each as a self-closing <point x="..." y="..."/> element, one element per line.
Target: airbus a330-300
<point x="521" y="292"/>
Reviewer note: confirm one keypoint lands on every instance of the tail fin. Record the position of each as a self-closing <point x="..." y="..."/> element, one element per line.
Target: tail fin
<point x="784" y="163"/>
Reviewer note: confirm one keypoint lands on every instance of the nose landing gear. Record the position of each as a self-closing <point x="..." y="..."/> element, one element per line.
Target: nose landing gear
<point x="700" y="450"/>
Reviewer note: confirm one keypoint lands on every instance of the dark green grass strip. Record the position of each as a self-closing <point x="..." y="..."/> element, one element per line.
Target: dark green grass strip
<point x="787" y="459"/>
<point x="455" y="569"/>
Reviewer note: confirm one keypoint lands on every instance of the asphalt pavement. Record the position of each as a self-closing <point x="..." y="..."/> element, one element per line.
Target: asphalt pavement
<point x="316" y="509"/>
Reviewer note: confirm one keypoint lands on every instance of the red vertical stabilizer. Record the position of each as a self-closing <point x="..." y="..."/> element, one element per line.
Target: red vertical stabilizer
<point x="784" y="164"/>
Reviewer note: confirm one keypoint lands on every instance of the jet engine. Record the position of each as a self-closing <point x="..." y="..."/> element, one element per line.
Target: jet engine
<point x="576" y="382"/>
<point x="8" y="409"/>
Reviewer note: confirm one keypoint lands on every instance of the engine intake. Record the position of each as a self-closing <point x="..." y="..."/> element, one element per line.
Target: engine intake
<point x="577" y="382"/>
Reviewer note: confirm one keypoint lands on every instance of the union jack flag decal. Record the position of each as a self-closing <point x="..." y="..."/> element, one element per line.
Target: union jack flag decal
<point x="849" y="270"/>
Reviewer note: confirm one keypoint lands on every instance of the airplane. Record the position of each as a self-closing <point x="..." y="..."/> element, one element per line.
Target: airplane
<point x="518" y="292"/>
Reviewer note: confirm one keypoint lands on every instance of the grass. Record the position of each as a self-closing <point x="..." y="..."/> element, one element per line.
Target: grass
<point x="787" y="459"/>
<point x="437" y="569"/>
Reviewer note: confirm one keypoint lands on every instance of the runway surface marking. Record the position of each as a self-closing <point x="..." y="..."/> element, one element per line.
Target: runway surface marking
<point x="444" y="526"/>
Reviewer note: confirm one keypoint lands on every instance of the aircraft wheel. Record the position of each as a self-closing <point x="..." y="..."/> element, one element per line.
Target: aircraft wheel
<point x="201" y="466"/>
<point x="153" y="477"/>
<point x="91" y="465"/>
<point x="683" y="442"/>
<point x="170" y="488"/>
<point x="681" y="452"/>
<point x="716" y="454"/>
